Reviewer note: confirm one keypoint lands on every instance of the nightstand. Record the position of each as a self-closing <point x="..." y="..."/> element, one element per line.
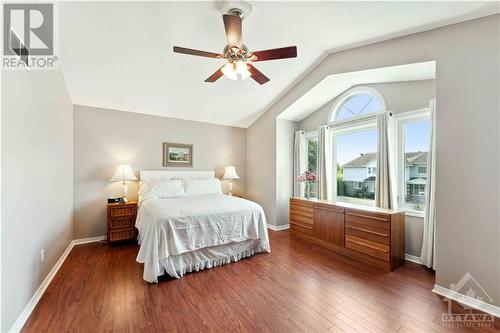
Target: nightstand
<point x="121" y="221"/>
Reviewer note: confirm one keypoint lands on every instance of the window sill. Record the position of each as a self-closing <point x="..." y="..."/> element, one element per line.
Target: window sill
<point x="356" y="201"/>
<point x="414" y="213"/>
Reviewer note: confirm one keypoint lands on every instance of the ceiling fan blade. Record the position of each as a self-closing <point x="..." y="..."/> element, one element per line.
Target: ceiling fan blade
<point x="215" y="76"/>
<point x="257" y="75"/>
<point x="273" y="54"/>
<point x="184" y="50"/>
<point x="232" y="24"/>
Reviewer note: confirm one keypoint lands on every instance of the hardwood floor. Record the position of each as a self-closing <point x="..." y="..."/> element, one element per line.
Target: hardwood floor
<point x="296" y="288"/>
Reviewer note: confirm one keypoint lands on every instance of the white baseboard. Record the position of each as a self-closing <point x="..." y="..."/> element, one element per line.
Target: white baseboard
<point x="88" y="240"/>
<point x="413" y="258"/>
<point x="466" y="300"/>
<point x="21" y="319"/>
<point x="278" y="227"/>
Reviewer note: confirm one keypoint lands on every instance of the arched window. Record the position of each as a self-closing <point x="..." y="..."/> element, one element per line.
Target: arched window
<point x="354" y="149"/>
<point x="356" y="102"/>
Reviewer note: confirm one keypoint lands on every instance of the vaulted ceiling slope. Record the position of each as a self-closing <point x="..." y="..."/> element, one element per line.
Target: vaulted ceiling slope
<point x="119" y="54"/>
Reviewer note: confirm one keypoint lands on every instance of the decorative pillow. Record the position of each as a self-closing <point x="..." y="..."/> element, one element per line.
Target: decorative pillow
<point x="163" y="189"/>
<point x="197" y="186"/>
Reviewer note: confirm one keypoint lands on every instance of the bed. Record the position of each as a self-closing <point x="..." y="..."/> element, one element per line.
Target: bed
<point x="179" y="233"/>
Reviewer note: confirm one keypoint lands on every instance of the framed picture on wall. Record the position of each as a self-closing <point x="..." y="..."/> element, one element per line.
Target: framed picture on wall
<point x="177" y="155"/>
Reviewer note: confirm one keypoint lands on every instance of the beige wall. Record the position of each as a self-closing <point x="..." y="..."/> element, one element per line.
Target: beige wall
<point x="104" y="138"/>
<point x="261" y="165"/>
<point x="285" y="133"/>
<point x="467" y="85"/>
<point x="37" y="183"/>
<point x="399" y="97"/>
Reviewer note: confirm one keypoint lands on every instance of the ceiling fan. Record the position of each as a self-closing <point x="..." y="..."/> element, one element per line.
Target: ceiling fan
<point x="239" y="59"/>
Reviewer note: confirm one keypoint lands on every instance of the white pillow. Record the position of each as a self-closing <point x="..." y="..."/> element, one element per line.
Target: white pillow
<point x="163" y="189"/>
<point x="197" y="186"/>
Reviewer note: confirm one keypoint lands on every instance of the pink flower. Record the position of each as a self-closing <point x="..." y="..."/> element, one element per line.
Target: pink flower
<point x="307" y="177"/>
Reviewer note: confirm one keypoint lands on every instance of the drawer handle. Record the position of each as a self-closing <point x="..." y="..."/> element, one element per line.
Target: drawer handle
<point x="302" y="225"/>
<point x="369" y="217"/>
<point x="369" y="231"/>
<point x="329" y="209"/>
<point x="354" y="240"/>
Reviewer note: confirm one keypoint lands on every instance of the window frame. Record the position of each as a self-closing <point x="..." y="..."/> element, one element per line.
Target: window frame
<point x="401" y="119"/>
<point x="310" y="135"/>
<point x="348" y="94"/>
<point x="366" y="122"/>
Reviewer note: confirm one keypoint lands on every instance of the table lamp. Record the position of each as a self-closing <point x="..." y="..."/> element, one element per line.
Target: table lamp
<point x="122" y="174"/>
<point x="230" y="174"/>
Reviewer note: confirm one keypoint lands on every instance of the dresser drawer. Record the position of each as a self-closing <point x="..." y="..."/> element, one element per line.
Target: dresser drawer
<point x="367" y="247"/>
<point x="380" y="236"/>
<point x="301" y="202"/>
<point x="302" y="211"/>
<point x="122" y="222"/>
<point x="367" y="220"/>
<point x="121" y="234"/>
<point x="305" y="228"/>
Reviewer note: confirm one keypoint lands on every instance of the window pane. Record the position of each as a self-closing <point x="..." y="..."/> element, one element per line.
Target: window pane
<point x="416" y="136"/>
<point x="357" y="105"/>
<point x="312" y="163"/>
<point x="356" y="164"/>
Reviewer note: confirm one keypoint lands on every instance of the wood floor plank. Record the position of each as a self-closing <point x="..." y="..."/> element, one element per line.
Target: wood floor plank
<point x="298" y="287"/>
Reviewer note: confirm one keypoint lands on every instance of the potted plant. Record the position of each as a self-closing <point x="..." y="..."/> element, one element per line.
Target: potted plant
<point x="307" y="177"/>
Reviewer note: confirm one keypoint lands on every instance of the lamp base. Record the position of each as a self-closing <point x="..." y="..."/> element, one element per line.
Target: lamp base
<point x="123" y="199"/>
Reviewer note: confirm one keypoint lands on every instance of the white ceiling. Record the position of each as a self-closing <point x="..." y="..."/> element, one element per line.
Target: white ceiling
<point x="335" y="84"/>
<point x="119" y="54"/>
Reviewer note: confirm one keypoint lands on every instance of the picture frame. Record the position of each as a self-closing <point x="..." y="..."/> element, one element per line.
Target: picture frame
<point x="178" y="155"/>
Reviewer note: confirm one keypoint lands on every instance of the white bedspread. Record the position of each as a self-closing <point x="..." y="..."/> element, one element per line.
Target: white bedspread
<point x="171" y="227"/>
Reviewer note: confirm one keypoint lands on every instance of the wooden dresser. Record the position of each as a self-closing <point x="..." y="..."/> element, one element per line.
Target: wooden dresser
<point x="372" y="235"/>
<point x="121" y="221"/>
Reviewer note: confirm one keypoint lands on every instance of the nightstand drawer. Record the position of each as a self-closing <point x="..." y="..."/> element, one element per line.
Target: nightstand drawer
<point x="121" y="234"/>
<point x="122" y="222"/>
<point x="125" y="210"/>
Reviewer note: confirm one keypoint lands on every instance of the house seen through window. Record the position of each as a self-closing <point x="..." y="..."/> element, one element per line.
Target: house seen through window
<point x="356" y="155"/>
<point x="416" y="143"/>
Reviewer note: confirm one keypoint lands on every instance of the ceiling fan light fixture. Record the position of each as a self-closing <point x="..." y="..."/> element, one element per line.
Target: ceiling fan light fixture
<point x="240" y="61"/>
<point x="236" y="70"/>
<point x="242" y="69"/>
<point x="229" y="71"/>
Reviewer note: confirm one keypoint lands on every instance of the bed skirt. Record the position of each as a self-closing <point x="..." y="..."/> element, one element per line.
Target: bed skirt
<point x="178" y="265"/>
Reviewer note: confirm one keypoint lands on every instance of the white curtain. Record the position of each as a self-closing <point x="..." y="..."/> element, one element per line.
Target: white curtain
<point x="428" y="254"/>
<point x="299" y="162"/>
<point x="325" y="170"/>
<point x="383" y="179"/>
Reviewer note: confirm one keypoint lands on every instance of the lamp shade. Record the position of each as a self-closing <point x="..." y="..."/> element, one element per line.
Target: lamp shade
<point x="230" y="173"/>
<point x="123" y="172"/>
